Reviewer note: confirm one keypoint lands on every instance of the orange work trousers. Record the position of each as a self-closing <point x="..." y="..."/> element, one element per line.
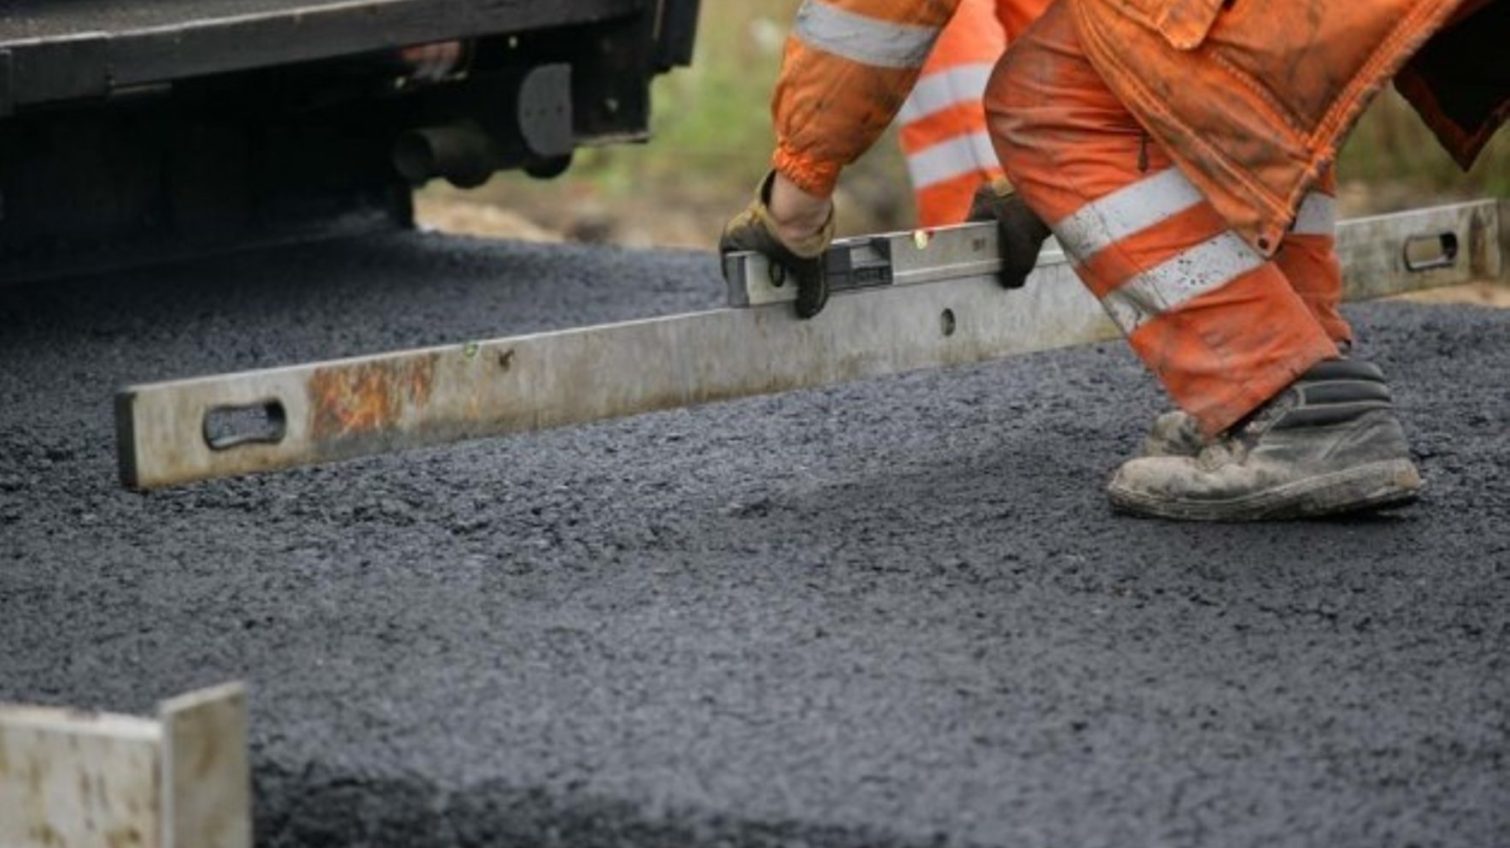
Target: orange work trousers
<point x="943" y="125"/>
<point x="1224" y="328"/>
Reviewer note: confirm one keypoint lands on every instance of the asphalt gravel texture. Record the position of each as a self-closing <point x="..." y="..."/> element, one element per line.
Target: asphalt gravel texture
<point x="891" y="613"/>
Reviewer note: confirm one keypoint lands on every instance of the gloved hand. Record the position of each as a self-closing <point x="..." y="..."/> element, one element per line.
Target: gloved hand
<point x="756" y="229"/>
<point x="1020" y="232"/>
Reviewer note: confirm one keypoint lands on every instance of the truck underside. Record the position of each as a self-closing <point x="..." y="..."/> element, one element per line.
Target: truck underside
<point x="134" y="132"/>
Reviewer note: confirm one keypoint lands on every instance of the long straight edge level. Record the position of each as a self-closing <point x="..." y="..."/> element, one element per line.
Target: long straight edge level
<point x="910" y="302"/>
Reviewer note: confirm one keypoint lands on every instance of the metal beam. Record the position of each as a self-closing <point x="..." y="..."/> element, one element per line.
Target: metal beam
<point x="1381" y="255"/>
<point x="912" y="302"/>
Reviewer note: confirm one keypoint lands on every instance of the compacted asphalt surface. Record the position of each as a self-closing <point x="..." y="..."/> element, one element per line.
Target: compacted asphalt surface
<point x="897" y="612"/>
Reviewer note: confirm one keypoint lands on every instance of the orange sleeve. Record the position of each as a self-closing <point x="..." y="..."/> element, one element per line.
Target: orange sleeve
<point x="849" y="66"/>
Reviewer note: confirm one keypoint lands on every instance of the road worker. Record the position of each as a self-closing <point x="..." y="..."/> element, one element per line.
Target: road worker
<point x="1181" y="152"/>
<point x="942" y="125"/>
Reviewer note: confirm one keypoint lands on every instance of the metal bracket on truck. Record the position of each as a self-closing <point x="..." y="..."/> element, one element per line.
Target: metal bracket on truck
<point x="911" y="301"/>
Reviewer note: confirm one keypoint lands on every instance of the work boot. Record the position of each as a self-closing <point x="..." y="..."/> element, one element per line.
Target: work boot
<point x="1328" y="444"/>
<point x="1175" y="433"/>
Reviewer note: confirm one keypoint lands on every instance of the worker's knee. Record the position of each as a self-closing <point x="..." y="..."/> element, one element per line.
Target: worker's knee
<point x="1044" y="98"/>
<point x="1010" y="116"/>
<point x="1011" y="125"/>
<point x="1032" y="92"/>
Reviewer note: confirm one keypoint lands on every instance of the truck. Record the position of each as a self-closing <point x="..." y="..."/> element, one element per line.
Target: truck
<point x="134" y="132"/>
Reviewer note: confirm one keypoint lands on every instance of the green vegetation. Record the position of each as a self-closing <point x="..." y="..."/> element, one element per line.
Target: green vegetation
<point x="1393" y="153"/>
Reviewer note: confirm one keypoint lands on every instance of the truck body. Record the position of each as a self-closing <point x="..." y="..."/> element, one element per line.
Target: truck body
<point x="142" y="130"/>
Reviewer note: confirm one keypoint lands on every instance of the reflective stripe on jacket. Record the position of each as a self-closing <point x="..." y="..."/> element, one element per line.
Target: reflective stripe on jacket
<point x="849" y="66"/>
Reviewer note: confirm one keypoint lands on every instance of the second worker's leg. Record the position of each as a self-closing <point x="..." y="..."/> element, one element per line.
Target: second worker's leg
<point x="943" y="128"/>
<point x="1293" y="431"/>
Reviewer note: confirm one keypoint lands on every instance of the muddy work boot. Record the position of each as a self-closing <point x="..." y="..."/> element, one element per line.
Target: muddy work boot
<point x="1175" y="433"/>
<point x="1328" y="444"/>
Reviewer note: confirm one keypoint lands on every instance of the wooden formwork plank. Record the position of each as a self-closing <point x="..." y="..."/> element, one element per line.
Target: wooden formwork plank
<point x="71" y="779"/>
<point x="84" y="780"/>
<point x="206" y="771"/>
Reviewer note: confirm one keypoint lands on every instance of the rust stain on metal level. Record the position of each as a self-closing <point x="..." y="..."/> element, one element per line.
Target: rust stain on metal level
<point x="351" y="400"/>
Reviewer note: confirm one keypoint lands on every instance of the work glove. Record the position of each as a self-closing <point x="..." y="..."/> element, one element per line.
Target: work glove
<point x="754" y="229"/>
<point x="1020" y="232"/>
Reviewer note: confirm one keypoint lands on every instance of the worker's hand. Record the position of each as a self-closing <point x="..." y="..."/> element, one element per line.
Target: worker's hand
<point x="792" y="229"/>
<point x="1020" y="232"/>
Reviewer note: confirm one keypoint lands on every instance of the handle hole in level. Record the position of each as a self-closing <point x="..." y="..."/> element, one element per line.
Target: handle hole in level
<point x="1425" y="253"/>
<point x="947" y="323"/>
<point x="227" y="427"/>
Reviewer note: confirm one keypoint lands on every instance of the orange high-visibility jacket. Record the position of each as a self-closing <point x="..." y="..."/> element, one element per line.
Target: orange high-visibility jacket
<point x="1250" y="97"/>
<point x="849" y="66"/>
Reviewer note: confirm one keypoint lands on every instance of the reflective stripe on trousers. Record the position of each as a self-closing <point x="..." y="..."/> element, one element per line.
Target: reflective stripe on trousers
<point x="947" y="88"/>
<point x="1308" y="259"/>
<point x="1221" y="326"/>
<point x="971" y="154"/>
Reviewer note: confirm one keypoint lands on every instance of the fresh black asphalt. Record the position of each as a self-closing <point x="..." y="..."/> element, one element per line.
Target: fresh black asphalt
<point x="891" y="613"/>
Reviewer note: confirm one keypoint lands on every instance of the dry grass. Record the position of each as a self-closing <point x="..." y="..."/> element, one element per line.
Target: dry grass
<point x="1392" y="162"/>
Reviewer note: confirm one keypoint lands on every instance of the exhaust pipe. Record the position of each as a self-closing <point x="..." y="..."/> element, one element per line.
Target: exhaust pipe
<point x="463" y="153"/>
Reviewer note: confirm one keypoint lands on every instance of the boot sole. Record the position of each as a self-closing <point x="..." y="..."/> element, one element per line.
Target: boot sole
<point x="1364" y="488"/>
